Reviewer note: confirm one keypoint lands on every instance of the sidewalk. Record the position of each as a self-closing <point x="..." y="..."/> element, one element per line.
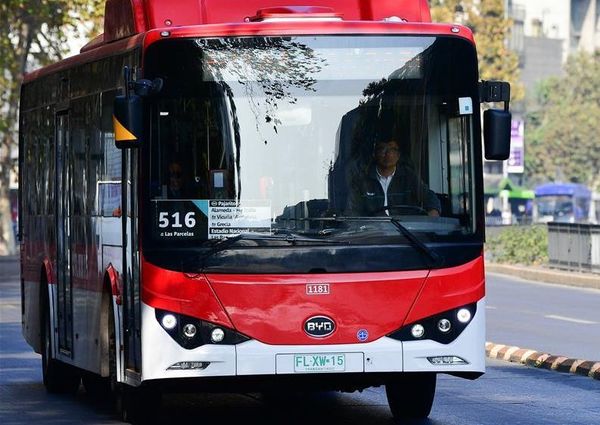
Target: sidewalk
<point x="548" y="275"/>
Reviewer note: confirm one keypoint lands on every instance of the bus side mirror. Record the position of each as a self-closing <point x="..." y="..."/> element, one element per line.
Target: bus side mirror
<point x="128" y="121"/>
<point x="128" y="111"/>
<point x="496" y="134"/>
<point x="496" y="122"/>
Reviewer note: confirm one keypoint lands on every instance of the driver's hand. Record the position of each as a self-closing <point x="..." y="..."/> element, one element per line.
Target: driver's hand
<point x="433" y="213"/>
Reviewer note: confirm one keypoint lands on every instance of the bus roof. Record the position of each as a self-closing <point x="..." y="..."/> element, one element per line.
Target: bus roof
<point x="124" y="18"/>
<point x="137" y="23"/>
<point x="570" y="189"/>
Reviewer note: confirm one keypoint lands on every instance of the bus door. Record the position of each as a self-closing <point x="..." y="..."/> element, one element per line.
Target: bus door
<point x="64" y="307"/>
<point x="131" y="270"/>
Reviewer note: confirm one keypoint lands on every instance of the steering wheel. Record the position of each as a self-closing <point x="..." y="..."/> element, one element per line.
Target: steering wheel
<point x="407" y="208"/>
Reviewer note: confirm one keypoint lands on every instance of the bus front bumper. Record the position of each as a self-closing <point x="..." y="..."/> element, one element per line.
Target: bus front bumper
<point x="163" y="358"/>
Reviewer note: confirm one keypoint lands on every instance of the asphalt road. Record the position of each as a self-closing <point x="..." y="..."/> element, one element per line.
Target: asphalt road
<point x="507" y="394"/>
<point x="559" y="320"/>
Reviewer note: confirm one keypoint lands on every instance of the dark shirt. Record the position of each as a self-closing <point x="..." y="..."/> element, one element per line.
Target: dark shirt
<point x="367" y="197"/>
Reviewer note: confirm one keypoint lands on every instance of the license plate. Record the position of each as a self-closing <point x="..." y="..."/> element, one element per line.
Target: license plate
<point x="319" y="362"/>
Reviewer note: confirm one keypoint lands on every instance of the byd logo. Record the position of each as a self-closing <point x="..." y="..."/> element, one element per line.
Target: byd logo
<point x="319" y="326"/>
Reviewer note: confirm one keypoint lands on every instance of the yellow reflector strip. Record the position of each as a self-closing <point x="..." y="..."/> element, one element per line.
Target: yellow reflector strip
<point x="121" y="133"/>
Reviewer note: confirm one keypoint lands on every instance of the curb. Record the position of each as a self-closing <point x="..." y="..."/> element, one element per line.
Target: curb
<point x="542" y="360"/>
<point x="539" y="274"/>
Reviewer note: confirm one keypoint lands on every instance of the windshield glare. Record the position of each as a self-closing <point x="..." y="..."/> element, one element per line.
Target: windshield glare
<point x="281" y="135"/>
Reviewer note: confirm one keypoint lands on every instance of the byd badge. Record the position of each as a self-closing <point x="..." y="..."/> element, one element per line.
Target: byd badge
<point x="319" y="326"/>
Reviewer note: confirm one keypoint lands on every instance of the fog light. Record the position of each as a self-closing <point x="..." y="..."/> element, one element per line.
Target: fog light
<point x="417" y="331"/>
<point x="217" y="335"/>
<point x="463" y="315"/>
<point x="447" y="360"/>
<point x="169" y="321"/>
<point x="189" y="365"/>
<point x="189" y="330"/>
<point x="444" y="325"/>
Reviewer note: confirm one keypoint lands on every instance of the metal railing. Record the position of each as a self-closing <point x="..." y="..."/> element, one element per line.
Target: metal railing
<point x="574" y="246"/>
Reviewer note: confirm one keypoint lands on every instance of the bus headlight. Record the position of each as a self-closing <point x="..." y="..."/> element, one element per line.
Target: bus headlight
<point x="169" y="321"/>
<point x="190" y="332"/>
<point x="463" y="315"/>
<point x="417" y="331"/>
<point x="443" y="327"/>
<point x="217" y="335"/>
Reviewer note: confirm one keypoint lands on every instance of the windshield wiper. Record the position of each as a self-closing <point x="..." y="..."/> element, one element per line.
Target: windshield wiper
<point x="290" y="238"/>
<point x="435" y="257"/>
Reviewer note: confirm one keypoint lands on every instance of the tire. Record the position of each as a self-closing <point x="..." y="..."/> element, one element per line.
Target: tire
<point x="138" y="405"/>
<point x="58" y="377"/>
<point x="95" y="386"/>
<point x="411" y="395"/>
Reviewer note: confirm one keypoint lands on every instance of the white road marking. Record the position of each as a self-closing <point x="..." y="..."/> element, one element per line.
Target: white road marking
<point x="570" y="319"/>
<point x="489" y="307"/>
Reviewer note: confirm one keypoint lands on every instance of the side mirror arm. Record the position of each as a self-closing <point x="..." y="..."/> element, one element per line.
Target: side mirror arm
<point x="146" y="88"/>
<point x="495" y="91"/>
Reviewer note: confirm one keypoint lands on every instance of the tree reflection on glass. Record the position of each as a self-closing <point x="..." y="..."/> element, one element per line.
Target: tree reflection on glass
<point x="272" y="69"/>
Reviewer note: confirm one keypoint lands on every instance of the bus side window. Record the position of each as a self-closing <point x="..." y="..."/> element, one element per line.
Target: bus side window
<point x="109" y="187"/>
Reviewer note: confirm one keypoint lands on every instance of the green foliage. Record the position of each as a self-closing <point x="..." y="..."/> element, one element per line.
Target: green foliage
<point x="527" y="245"/>
<point x="33" y="33"/>
<point x="563" y="129"/>
<point x="490" y="28"/>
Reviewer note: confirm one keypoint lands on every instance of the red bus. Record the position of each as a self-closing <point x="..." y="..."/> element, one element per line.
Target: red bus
<point x="257" y="195"/>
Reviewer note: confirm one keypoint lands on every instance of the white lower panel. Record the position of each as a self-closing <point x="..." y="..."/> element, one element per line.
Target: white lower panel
<point x="470" y="346"/>
<point x="160" y="351"/>
<point x="255" y="358"/>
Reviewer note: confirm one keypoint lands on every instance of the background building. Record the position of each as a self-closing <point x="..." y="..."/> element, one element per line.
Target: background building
<point x="544" y="34"/>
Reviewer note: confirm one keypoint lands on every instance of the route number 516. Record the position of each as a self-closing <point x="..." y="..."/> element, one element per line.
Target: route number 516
<point x="164" y="220"/>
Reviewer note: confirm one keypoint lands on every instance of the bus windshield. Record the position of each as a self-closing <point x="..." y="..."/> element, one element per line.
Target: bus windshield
<point x="558" y="205"/>
<point x="299" y="136"/>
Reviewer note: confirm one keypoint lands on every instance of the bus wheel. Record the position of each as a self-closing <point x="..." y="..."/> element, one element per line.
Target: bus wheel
<point x="138" y="405"/>
<point x="58" y="377"/>
<point x="410" y="396"/>
<point x="95" y="386"/>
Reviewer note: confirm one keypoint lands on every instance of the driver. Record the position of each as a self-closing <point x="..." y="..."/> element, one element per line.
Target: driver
<point x="391" y="183"/>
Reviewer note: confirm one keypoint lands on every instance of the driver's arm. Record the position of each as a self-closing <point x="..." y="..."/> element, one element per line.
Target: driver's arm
<point x="431" y="202"/>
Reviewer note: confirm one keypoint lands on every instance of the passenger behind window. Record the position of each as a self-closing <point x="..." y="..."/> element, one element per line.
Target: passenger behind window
<point x="178" y="185"/>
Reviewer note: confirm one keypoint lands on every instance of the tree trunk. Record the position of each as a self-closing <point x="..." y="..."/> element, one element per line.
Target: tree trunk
<point x="21" y="52"/>
<point x="7" y="237"/>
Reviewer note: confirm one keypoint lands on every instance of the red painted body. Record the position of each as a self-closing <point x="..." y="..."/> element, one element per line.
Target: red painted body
<point x="182" y="293"/>
<point x="308" y="28"/>
<point x="128" y="17"/>
<point x="273" y="308"/>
